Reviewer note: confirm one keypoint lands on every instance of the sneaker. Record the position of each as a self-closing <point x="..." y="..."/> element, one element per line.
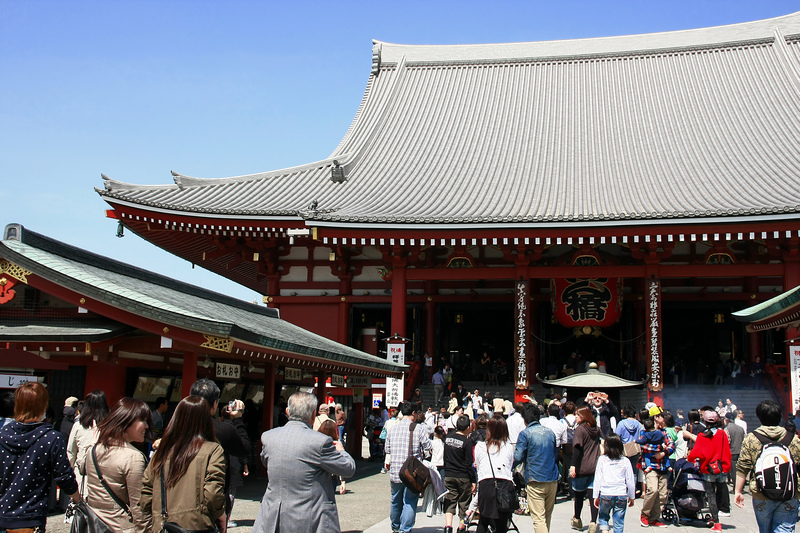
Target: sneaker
<point x="724" y="513"/>
<point x="657" y="523"/>
<point x="716" y="527"/>
<point x="645" y="521"/>
<point x="592" y="527"/>
<point x="576" y="523"/>
<point x="231" y="524"/>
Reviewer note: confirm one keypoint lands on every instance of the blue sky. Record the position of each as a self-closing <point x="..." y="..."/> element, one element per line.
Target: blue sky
<point x="215" y="89"/>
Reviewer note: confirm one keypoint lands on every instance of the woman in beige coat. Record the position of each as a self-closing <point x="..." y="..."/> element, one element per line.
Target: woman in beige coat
<point x="121" y="466"/>
<point x="84" y="432"/>
<point x="193" y="467"/>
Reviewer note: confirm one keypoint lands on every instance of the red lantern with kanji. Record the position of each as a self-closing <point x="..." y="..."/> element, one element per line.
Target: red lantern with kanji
<point x="595" y="302"/>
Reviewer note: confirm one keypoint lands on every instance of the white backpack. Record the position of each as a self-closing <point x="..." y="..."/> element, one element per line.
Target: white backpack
<point x="775" y="473"/>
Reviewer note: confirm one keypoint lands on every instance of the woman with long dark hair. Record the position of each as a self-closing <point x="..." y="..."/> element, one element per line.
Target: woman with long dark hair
<point x="121" y="466"/>
<point x="494" y="458"/>
<point x="188" y="453"/>
<point x="585" y="453"/>
<point x="84" y="434"/>
<point x="32" y="454"/>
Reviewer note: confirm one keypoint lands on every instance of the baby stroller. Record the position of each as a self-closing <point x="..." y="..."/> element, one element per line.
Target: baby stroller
<point x="686" y="501"/>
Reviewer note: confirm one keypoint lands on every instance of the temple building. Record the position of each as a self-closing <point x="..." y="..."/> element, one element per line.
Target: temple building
<point x="79" y="321"/>
<point x="617" y="197"/>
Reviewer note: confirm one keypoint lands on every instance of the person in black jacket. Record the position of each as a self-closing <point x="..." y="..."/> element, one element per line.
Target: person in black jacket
<point x="231" y="436"/>
<point x="32" y="454"/>
<point x="460" y="478"/>
<point x="602" y="409"/>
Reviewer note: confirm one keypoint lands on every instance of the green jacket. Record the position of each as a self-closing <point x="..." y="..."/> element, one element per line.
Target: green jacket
<point x="751" y="447"/>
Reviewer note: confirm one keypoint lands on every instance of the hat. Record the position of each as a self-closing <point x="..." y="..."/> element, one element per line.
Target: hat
<point x="69" y="401"/>
<point x="649" y="405"/>
<point x="710" y="417"/>
<point x="655" y="410"/>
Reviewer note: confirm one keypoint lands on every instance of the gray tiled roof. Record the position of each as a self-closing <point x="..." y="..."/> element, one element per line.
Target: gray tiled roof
<point x="687" y="124"/>
<point x="172" y="302"/>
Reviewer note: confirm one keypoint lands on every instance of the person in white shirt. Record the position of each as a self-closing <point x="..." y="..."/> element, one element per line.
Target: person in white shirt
<point x="515" y="423"/>
<point x="740" y="421"/>
<point x="493" y="461"/>
<point x="555" y="425"/>
<point x="477" y="401"/>
<point x="614" y="485"/>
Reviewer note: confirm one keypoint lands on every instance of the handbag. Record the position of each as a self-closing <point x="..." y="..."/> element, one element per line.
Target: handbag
<point x="631" y="449"/>
<point x="506" y="498"/>
<point x="84" y="520"/>
<point x="172" y="527"/>
<point x="413" y="473"/>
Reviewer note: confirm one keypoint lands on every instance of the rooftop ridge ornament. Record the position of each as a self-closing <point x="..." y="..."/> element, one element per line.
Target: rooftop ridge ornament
<point x="337" y="173"/>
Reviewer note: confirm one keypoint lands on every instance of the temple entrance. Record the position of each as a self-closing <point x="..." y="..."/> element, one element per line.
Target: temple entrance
<point x="466" y="330"/>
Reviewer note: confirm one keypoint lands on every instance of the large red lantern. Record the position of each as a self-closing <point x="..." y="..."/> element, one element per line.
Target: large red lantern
<point x="595" y="302"/>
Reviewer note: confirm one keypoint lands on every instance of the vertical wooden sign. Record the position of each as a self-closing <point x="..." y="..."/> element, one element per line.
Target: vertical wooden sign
<point x="654" y="348"/>
<point x="522" y="327"/>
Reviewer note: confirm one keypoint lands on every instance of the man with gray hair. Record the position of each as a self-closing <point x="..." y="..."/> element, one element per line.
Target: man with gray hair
<point x="300" y="462"/>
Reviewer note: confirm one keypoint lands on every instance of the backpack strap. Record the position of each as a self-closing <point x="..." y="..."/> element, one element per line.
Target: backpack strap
<point x="411" y="429"/>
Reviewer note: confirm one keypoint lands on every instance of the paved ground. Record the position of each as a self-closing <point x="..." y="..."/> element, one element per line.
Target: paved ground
<point x="365" y="508"/>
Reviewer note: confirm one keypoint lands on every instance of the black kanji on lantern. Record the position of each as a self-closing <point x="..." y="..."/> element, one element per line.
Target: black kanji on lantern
<point x="586" y="299"/>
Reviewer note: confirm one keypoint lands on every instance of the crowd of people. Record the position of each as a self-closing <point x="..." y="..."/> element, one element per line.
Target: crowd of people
<point x="589" y="451"/>
<point x="487" y="460"/>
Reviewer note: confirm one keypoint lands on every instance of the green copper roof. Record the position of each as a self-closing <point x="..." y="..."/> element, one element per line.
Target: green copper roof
<point x="771" y="307"/>
<point x="170" y="301"/>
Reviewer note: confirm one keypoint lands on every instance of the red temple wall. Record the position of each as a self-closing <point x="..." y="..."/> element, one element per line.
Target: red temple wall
<point x="322" y="319"/>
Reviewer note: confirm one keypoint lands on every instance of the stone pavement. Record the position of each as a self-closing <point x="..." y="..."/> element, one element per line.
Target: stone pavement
<point x="365" y="508"/>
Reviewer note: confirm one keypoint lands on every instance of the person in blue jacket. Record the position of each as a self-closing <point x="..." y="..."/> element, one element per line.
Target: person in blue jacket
<point x="32" y="454"/>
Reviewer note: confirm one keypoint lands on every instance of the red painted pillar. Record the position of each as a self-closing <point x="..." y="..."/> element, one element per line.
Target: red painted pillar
<point x="345" y="289"/>
<point x="430" y="321"/>
<point x="791" y="279"/>
<point x="189" y="373"/>
<point x="268" y="406"/>
<point x="322" y="377"/>
<point x="399" y="299"/>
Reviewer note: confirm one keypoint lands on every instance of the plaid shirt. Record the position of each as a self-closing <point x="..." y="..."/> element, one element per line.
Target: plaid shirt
<point x="397" y="445"/>
<point x="657" y="464"/>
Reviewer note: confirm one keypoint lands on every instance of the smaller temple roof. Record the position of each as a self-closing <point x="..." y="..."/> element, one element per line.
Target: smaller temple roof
<point x="169" y="301"/>
<point x="780" y="311"/>
<point x="592" y="379"/>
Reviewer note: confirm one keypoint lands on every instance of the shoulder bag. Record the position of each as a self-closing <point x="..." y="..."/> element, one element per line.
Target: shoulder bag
<point x="172" y="527"/>
<point x="84" y="520"/>
<point x="505" y="496"/>
<point x="413" y="473"/>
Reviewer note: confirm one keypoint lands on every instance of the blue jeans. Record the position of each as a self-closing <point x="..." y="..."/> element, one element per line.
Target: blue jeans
<point x="777" y="517"/>
<point x="615" y="504"/>
<point x="404" y="508"/>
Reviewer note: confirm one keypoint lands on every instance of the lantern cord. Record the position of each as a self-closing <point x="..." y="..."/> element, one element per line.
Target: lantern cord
<point x="624" y="341"/>
<point x="552" y="342"/>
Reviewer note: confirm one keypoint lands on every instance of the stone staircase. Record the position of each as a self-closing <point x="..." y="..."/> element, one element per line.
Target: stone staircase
<point x="684" y="397"/>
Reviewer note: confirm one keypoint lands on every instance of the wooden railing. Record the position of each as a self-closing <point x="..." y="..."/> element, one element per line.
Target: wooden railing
<point x="779" y="384"/>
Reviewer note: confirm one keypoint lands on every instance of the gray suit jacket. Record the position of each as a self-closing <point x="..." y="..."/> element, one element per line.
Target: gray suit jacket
<point x="299" y="496"/>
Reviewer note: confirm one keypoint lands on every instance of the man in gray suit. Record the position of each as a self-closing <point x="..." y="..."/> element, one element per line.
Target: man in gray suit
<point x="300" y="463"/>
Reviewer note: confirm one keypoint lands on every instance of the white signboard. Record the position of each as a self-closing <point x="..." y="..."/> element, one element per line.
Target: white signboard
<point x="358" y="395"/>
<point x="363" y="382"/>
<point x="12" y="381"/>
<point x="229" y="371"/>
<point x="337" y="380"/>
<point x="376" y="400"/>
<point x="794" y="372"/>
<point x="394" y="387"/>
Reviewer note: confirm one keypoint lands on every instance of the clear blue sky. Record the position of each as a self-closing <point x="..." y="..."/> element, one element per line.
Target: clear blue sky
<point x="214" y="89"/>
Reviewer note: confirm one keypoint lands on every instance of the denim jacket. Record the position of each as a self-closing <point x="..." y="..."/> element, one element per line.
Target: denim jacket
<point x="536" y="447"/>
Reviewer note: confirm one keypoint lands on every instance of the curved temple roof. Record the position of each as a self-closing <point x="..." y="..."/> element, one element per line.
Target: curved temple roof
<point x="169" y="301"/>
<point x="678" y="125"/>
